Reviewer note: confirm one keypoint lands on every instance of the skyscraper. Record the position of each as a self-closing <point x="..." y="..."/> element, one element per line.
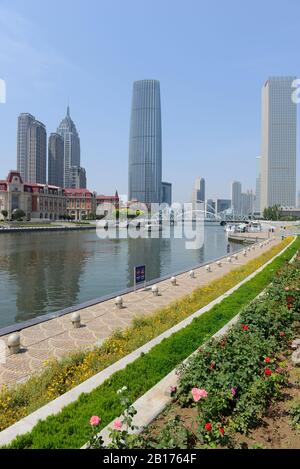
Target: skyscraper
<point x="56" y="160"/>
<point x="258" y="184"/>
<point x="37" y="153"/>
<point x="166" y="193"/>
<point x="31" y="149"/>
<point x="25" y="121"/>
<point x="198" y="194"/>
<point x="78" y="177"/>
<point x="278" y="163"/>
<point x="67" y="130"/>
<point x="145" y="143"/>
<point x="236" y="197"/>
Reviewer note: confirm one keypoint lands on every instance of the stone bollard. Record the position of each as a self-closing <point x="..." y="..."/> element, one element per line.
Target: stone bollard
<point x="236" y="257"/>
<point x="14" y="343"/>
<point x="119" y="302"/>
<point x="192" y="274"/>
<point x="174" y="281"/>
<point x="208" y="268"/>
<point x="219" y="263"/>
<point x="245" y="252"/>
<point x="76" y="320"/>
<point x="155" y="290"/>
<point x="228" y="259"/>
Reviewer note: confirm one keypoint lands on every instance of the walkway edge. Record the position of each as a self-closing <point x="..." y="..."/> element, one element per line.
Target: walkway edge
<point x="54" y="407"/>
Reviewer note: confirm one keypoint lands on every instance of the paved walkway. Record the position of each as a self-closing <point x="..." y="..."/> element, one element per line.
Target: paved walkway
<point x="57" y="336"/>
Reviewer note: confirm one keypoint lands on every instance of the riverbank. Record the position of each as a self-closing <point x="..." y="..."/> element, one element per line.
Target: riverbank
<point x="55" y="337"/>
<point x="36" y="228"/>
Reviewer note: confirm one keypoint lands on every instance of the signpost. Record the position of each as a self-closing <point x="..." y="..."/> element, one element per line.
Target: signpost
<point x="139" y="275"/>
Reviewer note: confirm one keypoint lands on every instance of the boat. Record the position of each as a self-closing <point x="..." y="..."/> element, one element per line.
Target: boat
<point x="230" y="228"/>
<point x="254" y="227"/>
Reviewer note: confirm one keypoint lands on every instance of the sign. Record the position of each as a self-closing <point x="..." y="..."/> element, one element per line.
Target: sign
<point x="139" y="275"/>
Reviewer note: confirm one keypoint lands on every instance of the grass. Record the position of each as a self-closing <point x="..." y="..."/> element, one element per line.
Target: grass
<point x="70" y="428"/>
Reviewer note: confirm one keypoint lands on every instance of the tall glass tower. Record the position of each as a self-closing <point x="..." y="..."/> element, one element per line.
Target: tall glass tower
<point x="278" y="158"/>
<point x="145" y="143"/>
<point x="67" y="130"/>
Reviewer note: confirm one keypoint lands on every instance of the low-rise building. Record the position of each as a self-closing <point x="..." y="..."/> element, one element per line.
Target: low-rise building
<point x="81" y="203"/>
<point x="37" y="201"/>
<point x="107" y="203"/>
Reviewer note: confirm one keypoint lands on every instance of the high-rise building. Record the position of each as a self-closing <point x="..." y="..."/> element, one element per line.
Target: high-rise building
<point x="145" y="143"/>
<point x="56" y="160"/>
<point x="198" y="194"/>
<point x="236" y="197"/>
<point x="31" y="149"/>
<point x="247" y="203"/>
<point x="298" y="199"/>
<point x="77" y="177"/>
<point x="258" y="184"/>
<point x="166" y="193"/>
<point x="68" y="132"/>
<point x="37" y="153"/>
<point x="278" y="158"/>
<point x="222" y="205"/>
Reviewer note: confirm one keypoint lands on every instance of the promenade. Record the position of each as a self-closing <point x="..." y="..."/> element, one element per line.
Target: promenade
<point x="56" y="337"/>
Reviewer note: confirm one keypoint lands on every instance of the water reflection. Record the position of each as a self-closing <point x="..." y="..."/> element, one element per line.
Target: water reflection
<point x="45" y="272"/>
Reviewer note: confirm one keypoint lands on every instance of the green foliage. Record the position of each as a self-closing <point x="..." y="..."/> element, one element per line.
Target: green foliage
<point x="70" y="428"/>
<point x="18" y="214"/>
<point x="294" y="412"/>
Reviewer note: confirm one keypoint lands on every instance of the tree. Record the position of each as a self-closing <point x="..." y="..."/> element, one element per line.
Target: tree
<point x="4" y="213"/>
<point x="18" y="214"/>
<point x="272" y="213"/>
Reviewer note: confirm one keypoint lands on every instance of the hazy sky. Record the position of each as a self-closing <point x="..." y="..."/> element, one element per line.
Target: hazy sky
<point x="211" y="57"/>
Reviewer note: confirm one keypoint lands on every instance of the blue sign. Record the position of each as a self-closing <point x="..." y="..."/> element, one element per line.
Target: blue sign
<point x="140" y="273"/>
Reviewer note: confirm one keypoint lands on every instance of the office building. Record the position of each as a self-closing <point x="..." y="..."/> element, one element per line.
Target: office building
<point x="56" y="160"/>
<point x="67" y="130"/>
<point x="236" y="197"/>
<point x="31" y="149"/>
<point x="198" y="195"/>
<point x="166" y="193"/>
<point x="222" y="205"/>
<point x="278" y="157"/>
<point x="77" y="177"/>
<point x="145" y="143"/>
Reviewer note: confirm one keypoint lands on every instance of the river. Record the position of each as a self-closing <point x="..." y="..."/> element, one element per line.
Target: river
<point x="45" y="272"/>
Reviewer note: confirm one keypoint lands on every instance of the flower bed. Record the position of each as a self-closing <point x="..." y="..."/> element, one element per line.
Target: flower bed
<point x="227" y="386"/>
<point x="59" y="377"/>
<point x="70" y="428"/>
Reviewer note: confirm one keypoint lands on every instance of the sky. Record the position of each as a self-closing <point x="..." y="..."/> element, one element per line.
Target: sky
<point x="211" y="57"/>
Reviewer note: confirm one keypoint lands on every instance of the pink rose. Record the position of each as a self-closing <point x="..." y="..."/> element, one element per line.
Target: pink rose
<point x="117" y="424"/>
<point x="95" y="420"/>
<point x="233" y="392"/>
<point x="199" y="394"/>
